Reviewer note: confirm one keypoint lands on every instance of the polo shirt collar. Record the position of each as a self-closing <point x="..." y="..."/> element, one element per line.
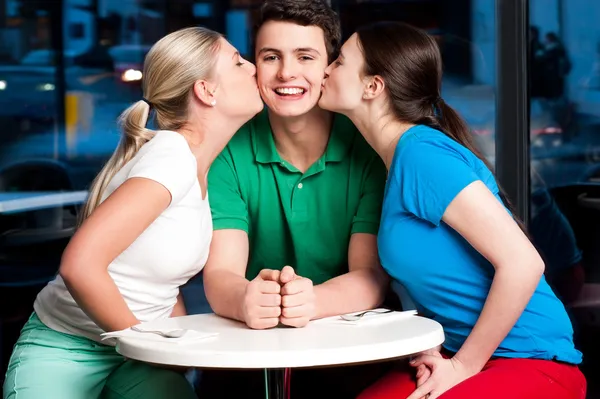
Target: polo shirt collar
<point x="340" y="139"/>
<point x="264" y="144"/>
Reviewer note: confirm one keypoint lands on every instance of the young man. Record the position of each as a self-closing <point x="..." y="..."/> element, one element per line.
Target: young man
<point x="296" y="197"/>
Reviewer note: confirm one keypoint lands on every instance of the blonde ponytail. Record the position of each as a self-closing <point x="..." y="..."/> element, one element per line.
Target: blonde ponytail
<point x="134" y="135"/>
<point x="171" y="68"/>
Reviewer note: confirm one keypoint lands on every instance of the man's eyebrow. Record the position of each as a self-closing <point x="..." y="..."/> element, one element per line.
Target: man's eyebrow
<point x="306" y="50"/>
<point x="297" y="50"/>
<point x="268" y="50"/>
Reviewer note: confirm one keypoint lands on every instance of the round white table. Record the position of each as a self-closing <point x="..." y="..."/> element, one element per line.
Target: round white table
<point x="279" y="349"/>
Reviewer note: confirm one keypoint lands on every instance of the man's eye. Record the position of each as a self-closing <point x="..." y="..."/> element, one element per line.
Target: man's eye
<point x="270" y="58"/>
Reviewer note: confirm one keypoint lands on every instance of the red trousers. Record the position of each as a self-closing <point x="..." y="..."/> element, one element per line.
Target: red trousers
<point x="499" y="379"/>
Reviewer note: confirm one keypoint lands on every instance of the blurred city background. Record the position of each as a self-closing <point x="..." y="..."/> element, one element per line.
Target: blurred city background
<point x="69" y="67"/>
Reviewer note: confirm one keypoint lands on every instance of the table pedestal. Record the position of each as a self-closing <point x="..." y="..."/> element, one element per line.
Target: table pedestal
<point x="277" y="383"/>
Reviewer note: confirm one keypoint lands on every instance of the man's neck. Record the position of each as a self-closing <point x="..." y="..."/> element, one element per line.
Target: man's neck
<point x="302" y="140"/>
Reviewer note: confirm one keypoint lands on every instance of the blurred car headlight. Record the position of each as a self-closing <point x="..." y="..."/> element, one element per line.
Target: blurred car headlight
<point x="131" y="75"/>
<point x="2" y="84"/>
<point x="45" y="87"/>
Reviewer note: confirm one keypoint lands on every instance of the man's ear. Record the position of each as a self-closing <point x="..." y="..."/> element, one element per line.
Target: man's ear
<point x="374" y="86"/>
<point x="203" y="93"/>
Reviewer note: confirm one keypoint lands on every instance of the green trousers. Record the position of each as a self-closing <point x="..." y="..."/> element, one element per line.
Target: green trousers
<point x="52" y="365"/>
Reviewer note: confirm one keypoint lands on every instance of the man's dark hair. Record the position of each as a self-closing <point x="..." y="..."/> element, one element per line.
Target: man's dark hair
<point x="305" y="13"/>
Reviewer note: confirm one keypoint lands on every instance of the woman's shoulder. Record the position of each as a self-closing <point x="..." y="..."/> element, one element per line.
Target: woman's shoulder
<point x="424" y="136"/>
<point x="430" y="149"/>
<point x="423" y="148"/>
<point x="167" y="159"/>
<point x="423" y="141"/>
<point x="167" y="147"/>
<point x="168" y="139"/>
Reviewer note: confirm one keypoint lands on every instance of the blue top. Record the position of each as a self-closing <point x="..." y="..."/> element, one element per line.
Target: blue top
<point x="445" y="276"/>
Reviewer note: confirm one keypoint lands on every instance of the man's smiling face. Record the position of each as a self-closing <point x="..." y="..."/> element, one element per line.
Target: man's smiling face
<point x="290" y="61"/>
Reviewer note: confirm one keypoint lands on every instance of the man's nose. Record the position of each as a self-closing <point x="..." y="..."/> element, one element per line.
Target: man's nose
<point x="287" y="70"/>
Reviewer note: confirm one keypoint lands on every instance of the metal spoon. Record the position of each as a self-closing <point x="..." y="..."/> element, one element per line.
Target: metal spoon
<point x="176" y="333"/>
<point x="358" y="316"/>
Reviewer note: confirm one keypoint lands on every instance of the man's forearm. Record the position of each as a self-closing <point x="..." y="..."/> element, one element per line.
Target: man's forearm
<point x="225" y="293"/>
<point x="351" y="292"/>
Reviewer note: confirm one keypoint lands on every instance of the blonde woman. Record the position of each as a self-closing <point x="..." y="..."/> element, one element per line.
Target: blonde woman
<point x="146" y="230"/>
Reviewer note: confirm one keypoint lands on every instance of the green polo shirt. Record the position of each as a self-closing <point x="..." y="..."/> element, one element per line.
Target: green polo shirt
<point x="304" y="220"/>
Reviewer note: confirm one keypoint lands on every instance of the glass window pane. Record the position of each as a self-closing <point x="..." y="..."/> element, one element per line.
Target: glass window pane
<point x="467" y="43"/>
<point x="28" y="96"/>
<point x="565" y="167"/>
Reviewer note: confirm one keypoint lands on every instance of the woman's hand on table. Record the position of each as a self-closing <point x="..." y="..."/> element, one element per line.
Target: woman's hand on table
<point x="444" y="375"/>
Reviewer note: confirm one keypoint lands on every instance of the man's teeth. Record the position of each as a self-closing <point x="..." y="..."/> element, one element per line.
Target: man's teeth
<point x="289" y="90"/>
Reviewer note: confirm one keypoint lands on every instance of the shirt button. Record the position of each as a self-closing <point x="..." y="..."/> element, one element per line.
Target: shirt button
<point x="300" y="185"/>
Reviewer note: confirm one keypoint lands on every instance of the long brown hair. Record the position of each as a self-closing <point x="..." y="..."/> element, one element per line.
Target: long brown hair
<point x="410" y="63"/>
